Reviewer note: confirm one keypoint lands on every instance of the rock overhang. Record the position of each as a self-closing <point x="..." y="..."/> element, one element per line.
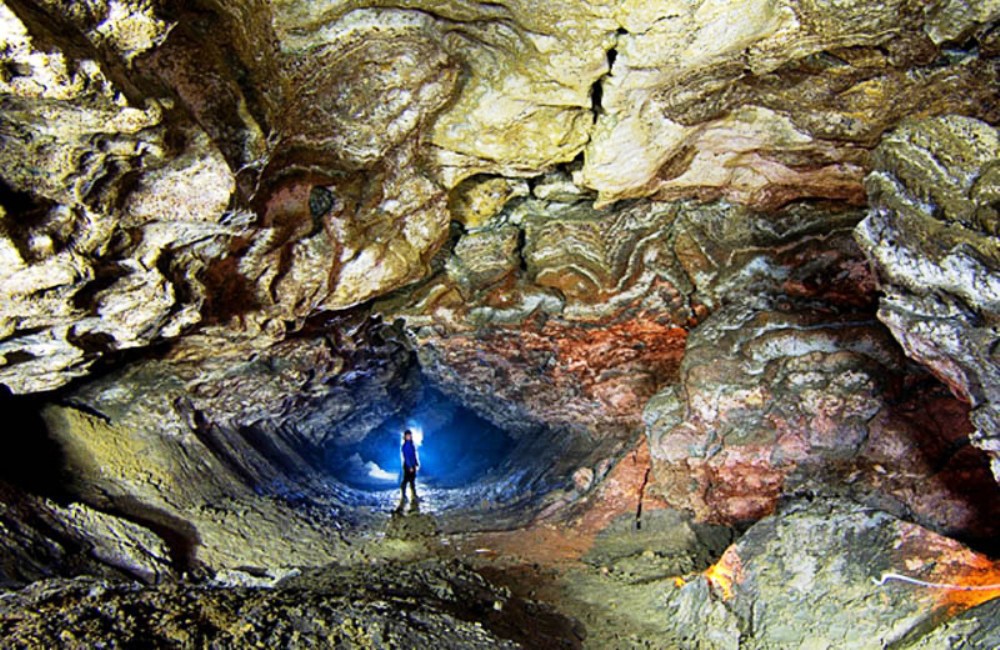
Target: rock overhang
<point x="668" y="259"/>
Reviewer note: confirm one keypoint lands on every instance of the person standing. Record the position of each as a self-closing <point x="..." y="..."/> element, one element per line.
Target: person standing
<point x="411" y="462"/>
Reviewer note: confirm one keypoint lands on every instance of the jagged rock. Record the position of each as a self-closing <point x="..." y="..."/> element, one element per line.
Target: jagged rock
<point x="158" y="166"/>
<point x="217" y="453"/>
<point x="430" y="604"/>
<point x="40" y="538"/>
<point x="558" y="187"/>
<point x="666" y="543"/>
<point x="478" y="199"/>
<point x="536" y="344"/>
<point x="809" y="578"/>
<point x="792" y="385"/>
<point x="978" y="627"/>
<point x="766" y="102"/>
<point x="484" y="257"/>
<point x="932" y="232"/>
<point x="109" y="212"/>
<point x="774" y="402"/>
<point x="230" y="190"/>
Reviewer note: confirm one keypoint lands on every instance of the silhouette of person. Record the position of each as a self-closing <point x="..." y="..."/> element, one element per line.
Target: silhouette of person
<point x="411" y="462"/>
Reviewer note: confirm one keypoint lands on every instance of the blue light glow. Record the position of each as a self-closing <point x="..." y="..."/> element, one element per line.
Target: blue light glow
<point x="455" y="448"/>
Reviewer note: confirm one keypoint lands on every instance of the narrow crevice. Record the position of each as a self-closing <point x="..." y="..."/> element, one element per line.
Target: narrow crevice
<point x="521" y="243"/>
<point x="642" y="494"/>
<point x="596" y="95"/>
<point x="597" y="89"/>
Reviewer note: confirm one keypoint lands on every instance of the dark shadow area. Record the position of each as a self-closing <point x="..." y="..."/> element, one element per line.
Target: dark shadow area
<point x="31" y="460"/>
<point x="32" y="463"/>
<point x="942" y="429"/>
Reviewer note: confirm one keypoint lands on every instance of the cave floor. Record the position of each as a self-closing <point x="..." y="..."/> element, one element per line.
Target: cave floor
<point x="613" y="567"/>
<point x="595" y="576"/>
<point x="593" y="562"/>
<point x="614" y="606"/>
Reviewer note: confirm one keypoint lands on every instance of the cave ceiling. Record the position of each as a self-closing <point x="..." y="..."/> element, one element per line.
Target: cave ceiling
<point x="761" y="235"/>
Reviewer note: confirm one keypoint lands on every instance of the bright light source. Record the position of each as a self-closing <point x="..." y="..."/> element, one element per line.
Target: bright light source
<point x="418" y="434"/>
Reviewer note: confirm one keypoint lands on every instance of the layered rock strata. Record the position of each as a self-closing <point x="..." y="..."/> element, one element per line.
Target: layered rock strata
<point x="220" y="460"/>
<point x="602" y="226"/>
<point x="43" y="539"/>
<point x="169" y="169"/>
<point x="932" y="233"/>
<point x="821" y="571"/>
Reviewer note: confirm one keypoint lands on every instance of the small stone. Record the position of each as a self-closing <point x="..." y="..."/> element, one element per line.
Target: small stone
<point x="321" y="201"/>
<point x="583" y="478"/>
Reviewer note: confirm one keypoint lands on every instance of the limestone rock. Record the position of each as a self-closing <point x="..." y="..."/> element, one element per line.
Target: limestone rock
<point x="772" y="100"/>
<point x="932" y="233"/>
<point x="483" y="257"/>
<point x="525" y="104"/>
<point x="476" y="200"/>
<point x="527" y="323"/>
<point x="810" y="578"/>
<point x="558" y="187"/>
<point x="666" y="543"/>
<point x="157" y="167"/>
<point x="792" y="385"/>
<point x="96" y="259"/>
<point x="128" y="546"/>
<point x="772" y="402"/>
<point x="40" y="538"/>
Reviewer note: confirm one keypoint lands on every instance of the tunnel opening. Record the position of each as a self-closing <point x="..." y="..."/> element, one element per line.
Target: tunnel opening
<point x="455" y="446"/>
<point x="474" y="474"/>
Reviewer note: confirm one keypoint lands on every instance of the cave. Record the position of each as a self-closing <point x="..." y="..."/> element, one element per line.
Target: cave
<point x="692" y="311"/>
<point x="456" y="448"/>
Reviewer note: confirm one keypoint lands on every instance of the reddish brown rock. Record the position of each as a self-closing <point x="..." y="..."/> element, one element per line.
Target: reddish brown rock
<point x="777" y="403"/>
<point x="585" y="376"/>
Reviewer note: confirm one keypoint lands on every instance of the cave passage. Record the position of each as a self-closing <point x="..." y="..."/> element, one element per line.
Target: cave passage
<point x="456" y="447"/>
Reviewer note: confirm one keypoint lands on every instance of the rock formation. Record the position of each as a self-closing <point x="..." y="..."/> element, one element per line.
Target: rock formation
<point x="734" y="263"/>
<point x="932" y="232"/>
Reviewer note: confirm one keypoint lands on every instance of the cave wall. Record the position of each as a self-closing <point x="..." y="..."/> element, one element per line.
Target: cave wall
<point x="230" y="233"/>
<point x="932" y="233"/>
<point x="244" y="166"/>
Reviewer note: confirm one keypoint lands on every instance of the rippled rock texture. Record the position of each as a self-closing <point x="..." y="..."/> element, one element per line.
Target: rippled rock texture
<point x="793" y="386"/>
<point x="246" y="166"/>
<point x="223" y="456"/>
<point x="699" y="256"/>
<point x="933" y="234"/>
